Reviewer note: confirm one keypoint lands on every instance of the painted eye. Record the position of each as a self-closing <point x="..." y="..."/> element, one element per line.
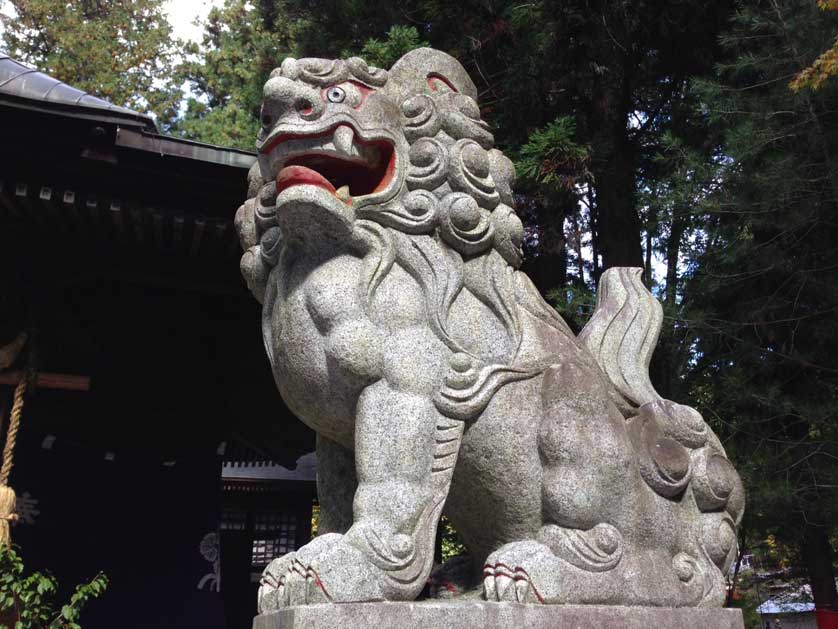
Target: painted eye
<point x="335" y="95"/>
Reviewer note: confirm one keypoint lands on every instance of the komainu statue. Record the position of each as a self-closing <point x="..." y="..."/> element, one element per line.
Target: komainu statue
<point x="381" y="239"/>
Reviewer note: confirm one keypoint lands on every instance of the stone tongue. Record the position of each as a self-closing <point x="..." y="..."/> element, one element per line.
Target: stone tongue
<point x="301" y="176"/>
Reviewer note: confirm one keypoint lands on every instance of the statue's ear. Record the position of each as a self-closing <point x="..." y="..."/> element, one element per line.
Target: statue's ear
<point x="424" y="71"/>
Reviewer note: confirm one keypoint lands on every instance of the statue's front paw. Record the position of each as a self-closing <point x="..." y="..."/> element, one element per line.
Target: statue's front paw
<point x="327" y="570"/>
<point x="342" y="574"/>
<point x="274" y="589"/>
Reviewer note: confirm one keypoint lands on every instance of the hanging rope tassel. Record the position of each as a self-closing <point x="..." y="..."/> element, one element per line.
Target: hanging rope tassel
<point x="7" y="494"/>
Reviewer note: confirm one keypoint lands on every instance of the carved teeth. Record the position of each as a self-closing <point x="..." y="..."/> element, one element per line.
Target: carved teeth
<point x="343" y="139"/>
<point x="342" y="193"/>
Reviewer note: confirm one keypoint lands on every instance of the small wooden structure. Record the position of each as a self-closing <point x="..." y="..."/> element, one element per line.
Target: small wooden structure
<point x="776" y="613"/>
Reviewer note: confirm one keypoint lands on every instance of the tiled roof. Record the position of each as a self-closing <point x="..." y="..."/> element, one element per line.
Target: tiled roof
<point x="18" y="80"/>
<point x="794" y="601"/>
<point x="24" y="88"/>
<point x="777" y="607"/>
<point x="305" y="470"/>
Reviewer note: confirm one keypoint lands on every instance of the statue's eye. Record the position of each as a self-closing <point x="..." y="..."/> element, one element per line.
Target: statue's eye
<point x="335" y="95"/>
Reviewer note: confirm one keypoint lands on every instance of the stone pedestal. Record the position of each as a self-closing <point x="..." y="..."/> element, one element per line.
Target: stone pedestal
<point x="484" y="615"/>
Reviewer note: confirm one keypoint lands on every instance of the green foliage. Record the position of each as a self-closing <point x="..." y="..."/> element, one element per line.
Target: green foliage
<point x="330" y="28"/>
<point x="552" y="157"/>
<point x="225" y="125"/>
<point x="748" y="602"/>
<point x="574" y="303"/>
<point x="383" y="54"/>
<point x="764" y="353"/>
<point x="824" y="67"/>
<point x="452" y="545"/>
<point x="242" y="43"/>
<point x="315" y="519"/>
<point x="28" y="601"/>
<point x="120" y="51"/>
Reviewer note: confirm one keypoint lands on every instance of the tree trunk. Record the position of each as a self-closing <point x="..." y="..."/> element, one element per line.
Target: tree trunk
<point x="613" y="168"/>
<point x="743" y="549"/>
<point x="817" y="557"/>
<point x="662" y="370"/>
<point x="549" y="269"/>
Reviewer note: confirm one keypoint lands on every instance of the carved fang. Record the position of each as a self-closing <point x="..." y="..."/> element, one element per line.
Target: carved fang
<point x="344" y="135"/>
<point x="342" y="193"/>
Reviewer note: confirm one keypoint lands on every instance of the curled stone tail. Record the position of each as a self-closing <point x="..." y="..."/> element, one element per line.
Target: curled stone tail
<point x="623" y="332"/>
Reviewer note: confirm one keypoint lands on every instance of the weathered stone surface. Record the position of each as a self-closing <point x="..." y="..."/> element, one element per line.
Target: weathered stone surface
<point x="476" y="615"/>
<point x="381" y="239"/>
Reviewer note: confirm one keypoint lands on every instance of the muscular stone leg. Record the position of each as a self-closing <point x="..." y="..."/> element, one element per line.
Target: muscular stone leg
<point x="585" y="451"/>
<point x="405" y="454"/>
<point x="495" y="495"/>
<point x="584" y="552"/>
<point x="336" y="485"/>
<point x="404" y="469"/>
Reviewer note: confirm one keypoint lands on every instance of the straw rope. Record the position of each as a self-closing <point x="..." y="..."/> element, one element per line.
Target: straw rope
<point x="7" y="494"/>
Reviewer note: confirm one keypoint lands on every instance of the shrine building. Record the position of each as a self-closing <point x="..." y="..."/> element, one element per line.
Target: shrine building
<point x="154" y="447"/>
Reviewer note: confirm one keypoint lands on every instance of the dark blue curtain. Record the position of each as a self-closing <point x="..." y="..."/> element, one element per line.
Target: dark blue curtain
<point x="149" y="524"/>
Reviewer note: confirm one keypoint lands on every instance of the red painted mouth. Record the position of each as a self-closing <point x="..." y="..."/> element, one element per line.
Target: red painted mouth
<point x="331" y="173"/>
<point x="344" y="166"/>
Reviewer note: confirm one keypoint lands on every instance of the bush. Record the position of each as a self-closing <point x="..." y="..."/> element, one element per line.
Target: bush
<point x="27" y="602"/>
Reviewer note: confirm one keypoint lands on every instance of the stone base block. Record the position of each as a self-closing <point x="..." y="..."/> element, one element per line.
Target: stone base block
<point x="484" y="615"/>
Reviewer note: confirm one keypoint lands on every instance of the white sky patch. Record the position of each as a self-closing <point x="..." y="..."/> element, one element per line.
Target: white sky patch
<point x="183" y="15"/>
<point x="185" y="18"/>
<point x="7" y="10"/>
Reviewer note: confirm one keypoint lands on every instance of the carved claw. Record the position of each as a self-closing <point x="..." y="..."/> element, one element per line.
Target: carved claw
<point x="507" y="573"/>
<point x="529" y="572"/>
<point x="502" y="584"/>
<point x="489" y="590"/>
<point x="272" y="586"/>
<point x="522" y="590"/>
<point x="304" y="586"/>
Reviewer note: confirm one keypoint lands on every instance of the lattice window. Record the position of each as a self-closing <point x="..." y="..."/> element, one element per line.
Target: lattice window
<point x="233" y="521"/>
<point x="264" y="550"/>
<point x="275" y="535"/>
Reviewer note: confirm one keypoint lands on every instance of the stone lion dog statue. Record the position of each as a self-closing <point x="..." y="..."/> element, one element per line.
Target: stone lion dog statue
<point x="380" y="237"/>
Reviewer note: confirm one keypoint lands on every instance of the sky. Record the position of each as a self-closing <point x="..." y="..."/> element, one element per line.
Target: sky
<point x="182" y="14"/>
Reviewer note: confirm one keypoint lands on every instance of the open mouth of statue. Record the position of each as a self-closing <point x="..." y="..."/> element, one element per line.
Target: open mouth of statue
<point x="337" y="161"/>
